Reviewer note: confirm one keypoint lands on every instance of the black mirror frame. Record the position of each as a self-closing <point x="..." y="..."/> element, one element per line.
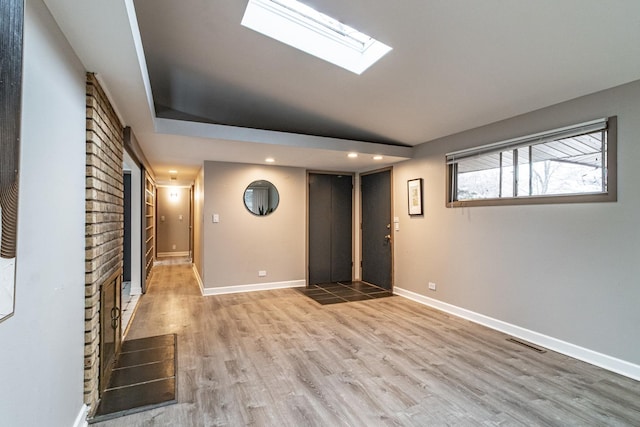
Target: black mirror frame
<point x="262" y="210"/>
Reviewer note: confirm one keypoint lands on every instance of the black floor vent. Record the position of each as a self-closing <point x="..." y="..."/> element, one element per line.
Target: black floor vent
<point x="529" y="346"/>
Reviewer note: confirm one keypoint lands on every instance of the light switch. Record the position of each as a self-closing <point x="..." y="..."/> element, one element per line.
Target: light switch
<point x="397" y="226"/>
<point x="180" y="217"/>
<point x="396" y="219"/>
<point x="216" y="218"/>
<point x="162" y="218"/>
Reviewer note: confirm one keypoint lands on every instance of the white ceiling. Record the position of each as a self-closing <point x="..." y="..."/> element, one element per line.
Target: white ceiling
<point x="455" y="65"/>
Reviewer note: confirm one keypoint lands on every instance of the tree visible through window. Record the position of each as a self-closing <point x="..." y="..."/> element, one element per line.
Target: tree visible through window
<point x="570" y="161"/>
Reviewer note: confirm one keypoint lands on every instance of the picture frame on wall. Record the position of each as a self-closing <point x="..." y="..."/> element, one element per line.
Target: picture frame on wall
<point x="414" y="189"/>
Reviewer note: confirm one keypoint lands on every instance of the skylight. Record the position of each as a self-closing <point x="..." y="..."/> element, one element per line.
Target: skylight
<point x="315" y="33"/>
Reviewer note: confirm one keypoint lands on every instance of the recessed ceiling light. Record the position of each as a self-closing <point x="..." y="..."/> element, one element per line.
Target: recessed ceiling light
<point x="352" y="155"/>
<point x="377" y="157"/>
<point x="173" y="171"/>
<point x="315" y="33"/>
<point x="269" y="160"/>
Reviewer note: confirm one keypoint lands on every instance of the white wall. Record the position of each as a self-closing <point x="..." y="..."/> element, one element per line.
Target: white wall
<point x="41" y="361"/>
<point x="198" y="219"/>
<point x="568" y="271"/>
<point x="242" y="244"/>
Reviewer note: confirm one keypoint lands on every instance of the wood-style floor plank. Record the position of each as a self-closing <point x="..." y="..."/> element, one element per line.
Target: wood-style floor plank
<point x="277" y="358"/>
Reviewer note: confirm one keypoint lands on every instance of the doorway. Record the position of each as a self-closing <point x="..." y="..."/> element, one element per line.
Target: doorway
<point x="132" y="271"/>
<point x="377" y="240"/>
<point x="330" y="228"/>
<point x="173" y="222"/>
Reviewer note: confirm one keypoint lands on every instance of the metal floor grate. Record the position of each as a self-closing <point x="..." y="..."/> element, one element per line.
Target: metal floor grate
<point x="527" y="345"/>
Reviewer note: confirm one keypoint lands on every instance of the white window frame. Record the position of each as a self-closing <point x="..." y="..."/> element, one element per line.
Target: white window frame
<point x="302" y="27"/>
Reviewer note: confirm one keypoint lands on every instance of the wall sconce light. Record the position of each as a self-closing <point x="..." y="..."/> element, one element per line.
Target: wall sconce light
<point x="173" y="196"/>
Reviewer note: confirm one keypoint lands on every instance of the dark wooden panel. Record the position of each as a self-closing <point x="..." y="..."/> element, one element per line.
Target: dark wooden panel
<point x="11" y="33"/>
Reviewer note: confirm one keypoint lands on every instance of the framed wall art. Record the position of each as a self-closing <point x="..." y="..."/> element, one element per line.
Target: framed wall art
<point x="414" y="187"/>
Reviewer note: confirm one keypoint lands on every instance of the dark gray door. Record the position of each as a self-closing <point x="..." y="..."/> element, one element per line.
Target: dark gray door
<point x="376" y="228"/>
<point x="330" y="230"/>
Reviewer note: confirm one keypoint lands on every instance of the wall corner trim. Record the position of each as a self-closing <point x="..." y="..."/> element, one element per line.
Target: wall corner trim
<point x="81" y="419"/>
<point x="198" y="278"/>
<point x="135" y="290"/>
<point x="252" y="287"/>
<point x="604" y="361"/>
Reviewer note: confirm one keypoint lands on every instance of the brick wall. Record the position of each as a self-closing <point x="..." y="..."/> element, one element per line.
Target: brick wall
<point x="104" y="220"/>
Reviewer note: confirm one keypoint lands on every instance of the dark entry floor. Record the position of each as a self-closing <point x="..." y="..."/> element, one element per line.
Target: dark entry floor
<point x="143" y="378"/>
<point x="333" y="293"/>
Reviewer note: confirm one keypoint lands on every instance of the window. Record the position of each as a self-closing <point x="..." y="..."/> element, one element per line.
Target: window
<point x="572" y="164"/>
<point x="315" y="33"/>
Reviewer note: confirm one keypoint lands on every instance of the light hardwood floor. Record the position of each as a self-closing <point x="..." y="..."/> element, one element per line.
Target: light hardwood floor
<point x="277" y="358"/>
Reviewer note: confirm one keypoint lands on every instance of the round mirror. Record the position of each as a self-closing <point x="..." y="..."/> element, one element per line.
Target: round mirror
<point x="261" y="198"/>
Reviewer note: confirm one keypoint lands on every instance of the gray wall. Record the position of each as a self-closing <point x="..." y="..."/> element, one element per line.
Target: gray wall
<point x="569" y="271"/>
<point x="241" y="244"/>
<point x="41" y="361"/>
<point x="173" y="231"/>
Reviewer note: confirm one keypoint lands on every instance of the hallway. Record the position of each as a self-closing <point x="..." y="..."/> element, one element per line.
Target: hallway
<point x="277" y="358"/>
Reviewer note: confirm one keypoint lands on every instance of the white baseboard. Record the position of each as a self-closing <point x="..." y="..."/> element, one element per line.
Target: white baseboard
<point x="253" y="287"/>
<point x="604" y="361"/>
<point x="198" y="278"/>
<point x="81" y="419"/>
<point x="172" y="254"/>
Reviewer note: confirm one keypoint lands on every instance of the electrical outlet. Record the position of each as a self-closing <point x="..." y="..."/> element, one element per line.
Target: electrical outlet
<point x="262" y="273"/>
<point x="432" y="286"/>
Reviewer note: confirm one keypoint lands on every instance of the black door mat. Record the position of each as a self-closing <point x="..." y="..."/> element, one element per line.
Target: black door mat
<point x="144" y="377"/>
<point x="334" y="293"/>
